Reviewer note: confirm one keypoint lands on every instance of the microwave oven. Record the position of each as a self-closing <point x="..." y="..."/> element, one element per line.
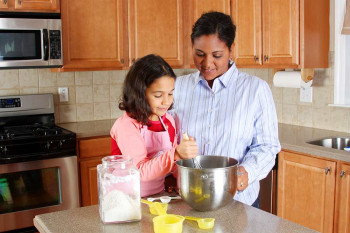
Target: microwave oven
<point x="30" y="43"/>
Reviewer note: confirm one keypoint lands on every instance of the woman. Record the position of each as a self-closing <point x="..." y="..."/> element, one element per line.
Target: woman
<point x="228" y="112"/>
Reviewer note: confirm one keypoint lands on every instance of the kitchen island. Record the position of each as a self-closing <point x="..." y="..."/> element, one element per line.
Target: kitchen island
<point x="235" y="217"/>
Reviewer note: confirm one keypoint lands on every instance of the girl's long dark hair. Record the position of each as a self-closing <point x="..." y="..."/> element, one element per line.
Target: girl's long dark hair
<point x="140" y="76"/>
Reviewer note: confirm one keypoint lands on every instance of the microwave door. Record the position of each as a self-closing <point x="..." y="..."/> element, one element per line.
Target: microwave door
<point x="23" y="48"/>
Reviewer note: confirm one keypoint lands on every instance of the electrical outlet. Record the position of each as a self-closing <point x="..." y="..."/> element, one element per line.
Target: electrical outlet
<point x="306" y="94"/>
<point x="63" y="93"/>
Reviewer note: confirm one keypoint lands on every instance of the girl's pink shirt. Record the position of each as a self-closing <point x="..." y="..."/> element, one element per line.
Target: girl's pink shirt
<point x="126" y="131"/>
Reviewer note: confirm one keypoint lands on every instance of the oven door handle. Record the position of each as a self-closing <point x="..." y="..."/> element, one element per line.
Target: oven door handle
<point x="46" y="44"/>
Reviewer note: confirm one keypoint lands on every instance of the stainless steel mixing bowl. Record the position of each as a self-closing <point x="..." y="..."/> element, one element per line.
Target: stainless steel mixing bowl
<point x="211" y="187"/>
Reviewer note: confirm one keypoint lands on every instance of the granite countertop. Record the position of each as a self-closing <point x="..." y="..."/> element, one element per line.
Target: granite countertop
<point x="235" y="217"/>
<point x="292" y="137"/>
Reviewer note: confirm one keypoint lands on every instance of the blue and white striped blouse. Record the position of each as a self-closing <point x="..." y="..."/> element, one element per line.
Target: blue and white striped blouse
<point x="235" y="118"/>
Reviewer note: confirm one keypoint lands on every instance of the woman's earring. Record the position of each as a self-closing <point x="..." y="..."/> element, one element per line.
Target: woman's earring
<point x="230" y="61"/>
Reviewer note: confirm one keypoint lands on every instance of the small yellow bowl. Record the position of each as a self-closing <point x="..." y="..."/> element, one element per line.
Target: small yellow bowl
<point x="168" y="223"/>
<point x="154" y="211"/>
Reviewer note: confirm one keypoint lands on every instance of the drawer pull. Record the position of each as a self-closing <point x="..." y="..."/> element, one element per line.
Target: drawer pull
<point x="342" y="173"/>
<point x="326" y="170"/>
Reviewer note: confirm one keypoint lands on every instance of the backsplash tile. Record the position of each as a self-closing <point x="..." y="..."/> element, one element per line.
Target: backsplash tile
<point x="28" y="78"/>
<point x="68" y="113"/>
<point x="9" y="79"/>
<point x="102" y="111"/>
<point x="65" y="79"/>
<point x="83" y="94"/>
<point x="101" y="77"/>
<point x="101" y="93"/>
<point x="47" y="78"/>
<point x="83" y="78"/>
<point x="85" y="112"/>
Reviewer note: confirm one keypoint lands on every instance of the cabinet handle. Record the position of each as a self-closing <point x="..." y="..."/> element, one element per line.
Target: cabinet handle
<point x="256" y="58"/>
<point x="133" y="60"/>
<point x="5" y="2"/>
<point x="266" y="58"/>
<point x="122" y="60"/>
<point x="326" y="170"/>
<point x="342" y="173"/>
<point x="19" y="2"/>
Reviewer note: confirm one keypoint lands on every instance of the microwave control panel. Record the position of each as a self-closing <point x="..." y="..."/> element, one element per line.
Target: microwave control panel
<point x="55" y="44"/>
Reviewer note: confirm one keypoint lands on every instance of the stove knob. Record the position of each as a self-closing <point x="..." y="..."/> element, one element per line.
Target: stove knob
<point x="60" y="144"/>
<point x="3" y="150"/>
<point x="47" y="146"/>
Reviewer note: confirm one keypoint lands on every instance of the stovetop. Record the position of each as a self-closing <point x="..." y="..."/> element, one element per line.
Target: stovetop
<point x="33" y="142"/>
<point x="28" y="131"/>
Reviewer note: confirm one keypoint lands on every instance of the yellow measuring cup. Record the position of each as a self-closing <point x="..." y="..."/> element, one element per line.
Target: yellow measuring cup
<point x="156" y="208"/>
<point x="168" y="223"/>
<point x="203" y="223"/>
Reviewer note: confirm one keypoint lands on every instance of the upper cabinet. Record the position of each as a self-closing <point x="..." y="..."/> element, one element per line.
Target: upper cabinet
<point x="281" y="34"/>
<point x="93" y="34"/>
<point x="114" y="33"/>
<point x="156" y="27"/>
<point x="50" y="6"/>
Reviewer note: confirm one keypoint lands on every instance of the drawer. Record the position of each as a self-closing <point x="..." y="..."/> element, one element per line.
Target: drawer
<point x="94" y="147"/>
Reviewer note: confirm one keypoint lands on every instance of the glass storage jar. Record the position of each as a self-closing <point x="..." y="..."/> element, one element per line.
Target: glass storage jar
<point x="118" y="190"/>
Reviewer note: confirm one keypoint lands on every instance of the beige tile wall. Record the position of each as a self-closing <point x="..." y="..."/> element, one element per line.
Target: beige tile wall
<point x="94" y="95"/>
<point x="316" y="114"/>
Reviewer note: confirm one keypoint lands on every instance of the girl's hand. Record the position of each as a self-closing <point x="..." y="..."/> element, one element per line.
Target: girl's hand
<point x="186" y="149"/>
<point x="242" y="179"/>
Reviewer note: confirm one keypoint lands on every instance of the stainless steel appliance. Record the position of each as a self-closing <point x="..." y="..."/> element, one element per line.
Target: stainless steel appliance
<point x="268" y="191"/>
<point x="211" y="187"/>
<point x="30" y="42"/>
<point x="38" y="162"/>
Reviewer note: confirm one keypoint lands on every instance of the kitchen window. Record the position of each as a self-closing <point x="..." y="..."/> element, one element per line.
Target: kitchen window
<point x="341" y="55"/>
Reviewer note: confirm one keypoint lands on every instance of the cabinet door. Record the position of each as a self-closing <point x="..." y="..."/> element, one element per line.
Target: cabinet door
<point x="342" y="213"/>
<point x="4" y="4"/>
<point x="306" y="188"/>
<point x="93" y="34"/>
<point x="156" y="27"/>
<point x="281" y="32"/>
<point x="94" y="147"/>
<point x="38" y="5"/>
<point x="203" y="6"/>
<point x="88" y="176"/>
<point x="246" y="15"/>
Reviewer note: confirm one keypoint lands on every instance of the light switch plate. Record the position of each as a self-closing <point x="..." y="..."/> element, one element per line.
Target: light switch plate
<point x="63" y="93"/>
<point x="306" y="94"/>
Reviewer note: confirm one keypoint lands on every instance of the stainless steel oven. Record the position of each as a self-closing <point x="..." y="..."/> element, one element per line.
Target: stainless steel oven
<point x="38" y="162"/>
<point x="28" y="43"/>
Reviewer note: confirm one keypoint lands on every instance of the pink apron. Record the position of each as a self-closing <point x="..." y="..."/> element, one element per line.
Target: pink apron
<point x="156" y="144"/>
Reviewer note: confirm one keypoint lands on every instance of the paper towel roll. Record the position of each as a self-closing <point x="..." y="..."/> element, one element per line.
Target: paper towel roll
<point x="290" y="79"/>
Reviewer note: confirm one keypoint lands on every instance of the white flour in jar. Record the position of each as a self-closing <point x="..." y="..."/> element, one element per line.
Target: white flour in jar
<point x="118" y="206"/>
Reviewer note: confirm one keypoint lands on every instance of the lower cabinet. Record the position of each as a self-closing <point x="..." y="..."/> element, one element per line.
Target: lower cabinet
<point x="90" y="153"/>
<point x="314" y="192"/>
<point x="342" y="208"/>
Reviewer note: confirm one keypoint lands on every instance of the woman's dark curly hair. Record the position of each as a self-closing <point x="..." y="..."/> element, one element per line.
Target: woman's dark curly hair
<point x="140" y="76"/>
<point x="215" y="23"/>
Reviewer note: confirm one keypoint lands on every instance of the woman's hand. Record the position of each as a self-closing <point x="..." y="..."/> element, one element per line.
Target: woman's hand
<point x="186" y="149"/>
<point x="242" y="181"/>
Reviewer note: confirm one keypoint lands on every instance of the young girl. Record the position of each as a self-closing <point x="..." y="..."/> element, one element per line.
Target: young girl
<point x="146" y="132"/>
